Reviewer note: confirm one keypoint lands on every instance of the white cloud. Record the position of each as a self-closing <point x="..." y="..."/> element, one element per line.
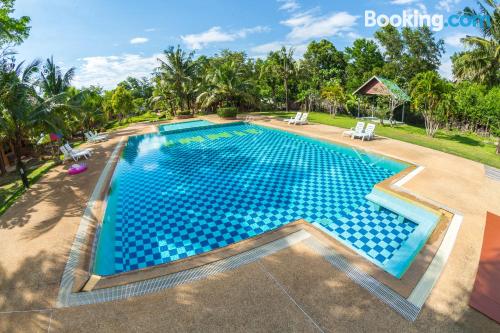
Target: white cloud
<point x="446" y="69"/>
<point x="139" y="40"/>
<point x="306" y="26"/>
<point x="150" y="29"/>
<point x="454" y="40"/>
<point x="289" y="5"/>
<point x="418" y="7"/>
<point x="107" y="71"/>
<point x="402" y="2"/>
<point x="447" y="5"/>
<point x="215" y="34"/>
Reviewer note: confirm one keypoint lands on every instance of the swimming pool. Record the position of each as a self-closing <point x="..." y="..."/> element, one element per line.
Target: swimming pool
<point x="169" y="128"/>
<point x="179" y="194"/>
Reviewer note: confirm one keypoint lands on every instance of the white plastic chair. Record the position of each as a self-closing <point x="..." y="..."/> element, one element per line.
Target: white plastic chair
<point x="76" y="151"/>
<point x="70" y="155"/>
<point x="294" y="120"/>
<point x="357" y="129"/>
<point x="303" y="119"/>
<point x="368" y="133"/>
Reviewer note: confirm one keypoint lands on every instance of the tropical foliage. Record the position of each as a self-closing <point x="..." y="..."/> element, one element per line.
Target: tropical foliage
<point x="38" y="98"/>
<point x="481" y="62"/>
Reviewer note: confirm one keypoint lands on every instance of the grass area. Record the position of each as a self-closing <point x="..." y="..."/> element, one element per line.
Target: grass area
<point x="11" y="187"/>
<point x="148" y="116"/>
<point x="10" y="192"/>
<point x="467" y="145"/>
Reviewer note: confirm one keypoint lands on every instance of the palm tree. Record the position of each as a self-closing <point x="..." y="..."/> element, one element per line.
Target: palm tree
<point x="164" y="97"/>
<point x="286" y="69"/>
<point x="179" y="70"/>
<point x="228" y="85"/>
<point x="482" y="62"/>
<point x="52" y="80"/>
<point x="22" y="109"/>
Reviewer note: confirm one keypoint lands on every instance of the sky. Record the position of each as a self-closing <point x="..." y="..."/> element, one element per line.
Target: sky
<point x="106" y="41"/>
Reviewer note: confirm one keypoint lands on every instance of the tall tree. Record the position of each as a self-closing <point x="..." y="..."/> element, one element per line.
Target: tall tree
<point x="481" y="63"/>
<point x="286" y="69"/>
<point x="334" y="94"/>
<point x="52" y="79"/>
<point x="428" y="92"/>
<point x="12" y="30"/>
<point x="364" y="58"/>
<point x="121" y="102"/>
<point x="409" y="52"/>
<point x="228" y="84"/>
<point x="324" y="63"/>
<point x="179" y="70"/>
<point x="22" y="109"/>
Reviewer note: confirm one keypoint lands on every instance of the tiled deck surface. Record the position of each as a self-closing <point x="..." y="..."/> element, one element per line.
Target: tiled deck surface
<point x="292" y="290"/>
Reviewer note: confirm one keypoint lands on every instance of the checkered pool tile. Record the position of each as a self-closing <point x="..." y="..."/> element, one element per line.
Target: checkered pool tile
<point x="185" y="193"/>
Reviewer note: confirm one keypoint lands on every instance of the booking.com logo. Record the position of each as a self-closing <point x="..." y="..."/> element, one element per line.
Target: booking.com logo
<point x="413" y="19"/>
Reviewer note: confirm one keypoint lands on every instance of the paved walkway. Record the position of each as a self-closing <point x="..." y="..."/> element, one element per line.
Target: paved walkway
<point x="292" y="290"/>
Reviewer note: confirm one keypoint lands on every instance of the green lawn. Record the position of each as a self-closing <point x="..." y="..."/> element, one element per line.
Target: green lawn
<point x="148" y="116"/>
<point x="467" y="145"/>
<point x="12" y="190"/>
<point x="11" y="187"/>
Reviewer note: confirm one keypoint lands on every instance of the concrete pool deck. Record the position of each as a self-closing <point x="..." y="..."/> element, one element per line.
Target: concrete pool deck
<point x="276" y="293"/>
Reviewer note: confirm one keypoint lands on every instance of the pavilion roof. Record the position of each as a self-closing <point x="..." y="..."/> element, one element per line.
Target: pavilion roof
<point x="377" y="85"/>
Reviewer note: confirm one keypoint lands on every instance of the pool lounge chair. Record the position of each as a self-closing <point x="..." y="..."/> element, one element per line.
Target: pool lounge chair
<point x="76" y="151"/>
<point x="293" y="120"/>
<point x="303" y="119"/>
<point x="360" y="126"/>
<point x="95" y="134"/>
<point x="91" y="138"/>
<point x="71" y="155"/>
<point x="368" y="133"/>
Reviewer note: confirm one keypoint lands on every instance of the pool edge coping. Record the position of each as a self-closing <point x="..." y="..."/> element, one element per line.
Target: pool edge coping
<point x="417" y="297"/>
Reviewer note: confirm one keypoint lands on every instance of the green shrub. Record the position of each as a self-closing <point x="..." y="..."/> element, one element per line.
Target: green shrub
<point x="227" y="112"/>
<point x="184" y="113"/>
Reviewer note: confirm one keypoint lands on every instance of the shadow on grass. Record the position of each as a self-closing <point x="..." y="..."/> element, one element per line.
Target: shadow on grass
<point x="462" y="139"/>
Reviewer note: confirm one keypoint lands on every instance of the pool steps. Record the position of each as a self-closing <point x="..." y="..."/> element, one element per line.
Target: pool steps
<point x="405" y="209"/>
<point x="425" y="218"/>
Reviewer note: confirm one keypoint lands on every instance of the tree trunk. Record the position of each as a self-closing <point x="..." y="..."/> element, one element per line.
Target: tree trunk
<point x="3" y="170"/>
<point x="286" y="94"/>
<point x="498" y="146"/>
<point x="19" y="163"/>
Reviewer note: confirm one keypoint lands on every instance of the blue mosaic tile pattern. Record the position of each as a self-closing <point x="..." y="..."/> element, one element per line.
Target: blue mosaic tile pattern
<point x="183" y="125"/>
<point x="182" y="194"/>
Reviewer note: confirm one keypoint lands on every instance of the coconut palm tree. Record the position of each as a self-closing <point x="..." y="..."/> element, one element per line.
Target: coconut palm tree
<point x="179" y="70"/>
<point x="482" y="62"/>
<point x="23" y="111"/>
<point x="52" y="80"/>
<point x="227" y="84"/>
<point x="286" y="69"/>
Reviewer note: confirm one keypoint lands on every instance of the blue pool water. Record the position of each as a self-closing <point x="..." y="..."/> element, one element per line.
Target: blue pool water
<point x="183" y="125"/>
<point x="179" y="194"/>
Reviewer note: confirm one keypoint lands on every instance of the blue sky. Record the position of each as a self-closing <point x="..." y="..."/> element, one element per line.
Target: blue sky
<point x="108" y="40"/>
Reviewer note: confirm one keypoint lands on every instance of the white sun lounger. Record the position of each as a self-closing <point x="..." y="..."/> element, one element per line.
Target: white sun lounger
<point x="368" y="133"/>
<point x="75" y="156"/>
<point x="95" y="134"/>
<point x="298" y="115"/>
<point x="357" y="129"/>
<point x="91" y="138"/>
<point x="303" y="119"/>
<point x="76" y="151"/>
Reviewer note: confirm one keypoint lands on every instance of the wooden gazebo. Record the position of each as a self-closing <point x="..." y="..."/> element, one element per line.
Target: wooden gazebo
<point x="378" y="86"/>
